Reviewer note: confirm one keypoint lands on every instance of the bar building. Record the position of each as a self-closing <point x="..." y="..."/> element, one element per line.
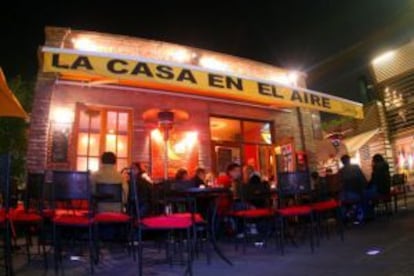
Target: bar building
<point x="94" y="89"/>
<point x="393" y="74"/>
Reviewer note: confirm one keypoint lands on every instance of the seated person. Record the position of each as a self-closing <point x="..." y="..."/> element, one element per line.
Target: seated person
<point x="199" y="177"/>
<point x="257" y="192"/>
<point x="108" y="174"/>
<point x="182" y="180"/>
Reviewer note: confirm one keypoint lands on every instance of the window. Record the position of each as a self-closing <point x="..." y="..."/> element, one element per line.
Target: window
<point x="101" y="130"/>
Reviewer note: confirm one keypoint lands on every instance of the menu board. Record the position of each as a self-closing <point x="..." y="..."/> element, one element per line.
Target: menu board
<point x="60" y="144"/>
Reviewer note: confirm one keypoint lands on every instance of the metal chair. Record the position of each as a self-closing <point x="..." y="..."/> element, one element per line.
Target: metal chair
<point x="5" y="223"/>
<point x="111" y="194"/>
<point x="29" y="220"/>
<point x="293" y="185"/>
<point x="72" y="189"/>
<point x="165" y="223"/>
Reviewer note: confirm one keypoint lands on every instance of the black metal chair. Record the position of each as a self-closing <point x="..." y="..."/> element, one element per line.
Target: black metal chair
<point x="111" y="216"/>
<point x="292" y="187"/>
<point x="398" y="189"/>
<point x="165" y="223"/>
<point x="6" y="224"/>
<point x="29" y="220"/>
<point x="72" y="191"/>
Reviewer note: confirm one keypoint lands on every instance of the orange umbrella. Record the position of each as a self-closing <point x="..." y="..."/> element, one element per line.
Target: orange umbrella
<point x="9" y="105"/>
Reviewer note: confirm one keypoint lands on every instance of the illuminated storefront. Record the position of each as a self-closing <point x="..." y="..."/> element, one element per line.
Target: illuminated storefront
<point x="393" y="72"/>
<point x="94" y="88"/>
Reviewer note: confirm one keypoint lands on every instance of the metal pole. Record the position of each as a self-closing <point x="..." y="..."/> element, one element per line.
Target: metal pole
<point x="166" y="137"/>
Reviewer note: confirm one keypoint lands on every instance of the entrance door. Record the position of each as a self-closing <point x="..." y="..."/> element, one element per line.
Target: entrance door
<point x="225" y="155"/>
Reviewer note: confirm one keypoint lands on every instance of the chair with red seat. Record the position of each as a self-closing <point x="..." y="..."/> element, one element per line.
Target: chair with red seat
<point x="109" y="214"/>
<point x="291" y="187"/>
<point x="165" y="223"/>
<point x="28" y="219"/>
<point x="6" y="225"/>
<point x="252" y="215"/>
<point x="72" y="187"/>
<point x="325" y="209"/>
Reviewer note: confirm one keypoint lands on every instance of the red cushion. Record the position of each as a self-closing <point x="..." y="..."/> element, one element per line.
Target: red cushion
<point x="111" y="217"/>
<point x="395" y="192"/>
<point x="167" y="222"/>
<point x="295" y="211"/>
<point x="69" y="220"/>
<point x="325" y="205"/>
<point x="23" y="217"/>
<point x="254" y="213"/>
<point x="197" y="217"/>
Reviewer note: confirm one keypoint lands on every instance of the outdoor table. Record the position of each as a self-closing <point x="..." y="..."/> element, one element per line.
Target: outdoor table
<point x="213" y="193"/>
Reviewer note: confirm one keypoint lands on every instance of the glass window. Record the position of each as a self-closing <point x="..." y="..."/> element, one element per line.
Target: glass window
<point x="257" y="132"/>
<point x="225" y="129"/>
<point x="96" y="136"/>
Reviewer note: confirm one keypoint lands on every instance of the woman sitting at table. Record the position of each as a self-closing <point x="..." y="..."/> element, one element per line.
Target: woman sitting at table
<point x="182" y="180"/>
<point x="199" y="177"/>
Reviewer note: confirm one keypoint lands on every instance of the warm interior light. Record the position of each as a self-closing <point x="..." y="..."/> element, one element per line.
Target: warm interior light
<point x="157" y="135"/>
<point x="62" y="115"/>
<point x="384" y="57"/>
<point x="85" y="44"/>
<point x="187" y="143"/>
<point x="213" y="63"/>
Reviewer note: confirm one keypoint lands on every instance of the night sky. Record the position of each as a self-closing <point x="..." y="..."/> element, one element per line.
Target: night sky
<point x="332" y="41"/>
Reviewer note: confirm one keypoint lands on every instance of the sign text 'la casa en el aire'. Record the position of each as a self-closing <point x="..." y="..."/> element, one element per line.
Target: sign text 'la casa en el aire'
<point x="191" y="80"/>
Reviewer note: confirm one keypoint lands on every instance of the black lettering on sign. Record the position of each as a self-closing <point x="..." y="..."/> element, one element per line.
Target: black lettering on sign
<point x="234" y="82"/>
<point x="264" y="89"/>
<point x="216" y="80"/>
<point x="82" y="61"/>
<point x="113" y="67"/>
<point x="164" y="72"/>
<point x="186" y="74"/>
<point x="315" y="100"/>
<point x="296" y="96"/>
<point x="275" y="93"/>
<point x="142" y="69"/>
<point x="326" y="102"/>
<point x="56" y="63"/>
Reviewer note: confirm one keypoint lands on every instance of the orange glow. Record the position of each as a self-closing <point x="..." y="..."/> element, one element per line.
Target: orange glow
<point x="157" y="135"/>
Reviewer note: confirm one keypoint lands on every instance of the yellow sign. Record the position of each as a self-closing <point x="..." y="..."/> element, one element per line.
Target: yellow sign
<point x="144" y="73"/>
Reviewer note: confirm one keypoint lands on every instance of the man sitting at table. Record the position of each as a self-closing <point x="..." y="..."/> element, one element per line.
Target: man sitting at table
<point x="199" y="177"/>
<point x="107" y="174"/>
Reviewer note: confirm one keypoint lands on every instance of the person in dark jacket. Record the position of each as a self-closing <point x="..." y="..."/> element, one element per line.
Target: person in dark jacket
<point x="199" y="177"/>
<point x="381" y="178"/>
<point x="353" y="184"/>
<point x="256" y="189"/>
<point x="143" y="188"/>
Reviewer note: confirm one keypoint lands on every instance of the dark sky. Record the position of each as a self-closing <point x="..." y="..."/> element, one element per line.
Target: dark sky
<point x="331" y="40"/>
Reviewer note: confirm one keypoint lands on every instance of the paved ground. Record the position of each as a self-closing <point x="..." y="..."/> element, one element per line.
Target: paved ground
<point x="394" y="237"/>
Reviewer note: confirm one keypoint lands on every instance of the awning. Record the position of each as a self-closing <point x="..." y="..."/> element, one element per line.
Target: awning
<point x="9" y="105"/>
<point x="353" y="144"/>
<point x="118" y="69"/>
<point x="325" y="150"/>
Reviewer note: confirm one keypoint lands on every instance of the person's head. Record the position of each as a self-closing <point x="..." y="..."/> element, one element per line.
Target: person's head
<point x="234" y="171"/>
<point x="377" y="158"/>
<point x="181" y="174"/>
<point x="249" y="170"/>
<point x="108" y="158"/>
<point x="125" y="174"/>
<point x="315" y="175"/>
<point x="345" y="159"/>
<point x="200" y="173"/>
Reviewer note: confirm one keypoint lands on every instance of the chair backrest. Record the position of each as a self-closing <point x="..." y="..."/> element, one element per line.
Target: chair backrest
<point x="109" y="192"/>
<point x="399" y="179"/>
<point x="294" y="183"/>
<point x="5" y="186"/>
<point x="71" y="186"/>
<point x="34" y="191"/>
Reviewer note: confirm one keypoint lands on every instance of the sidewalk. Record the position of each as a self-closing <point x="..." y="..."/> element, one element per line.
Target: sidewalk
<point x="393" y="237"/>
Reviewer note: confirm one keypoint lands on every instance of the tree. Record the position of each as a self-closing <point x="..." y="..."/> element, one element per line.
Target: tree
<point x="14" y="131"/>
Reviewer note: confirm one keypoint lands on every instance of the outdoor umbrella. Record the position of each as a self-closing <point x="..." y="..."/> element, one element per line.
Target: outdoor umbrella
<point x="9" y="105"/>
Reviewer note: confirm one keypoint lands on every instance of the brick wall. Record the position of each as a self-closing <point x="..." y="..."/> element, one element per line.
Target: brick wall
<point x="285" y="122"/>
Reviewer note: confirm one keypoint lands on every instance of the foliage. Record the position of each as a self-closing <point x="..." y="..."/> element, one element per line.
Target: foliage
<point x="14" y="131"/>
